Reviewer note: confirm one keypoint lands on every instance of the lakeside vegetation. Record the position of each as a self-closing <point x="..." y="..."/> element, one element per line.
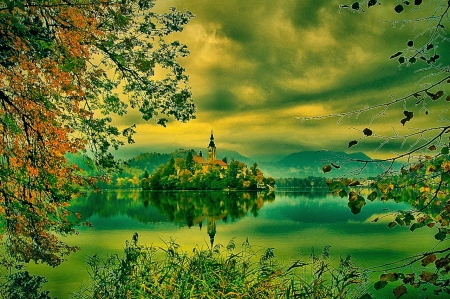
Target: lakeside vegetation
<point x="185" y="174"/>
<point x="220" y="272"/>
<point x="131" y="176"/>
<point x="302" y="183"/>
<point x="137" y="169"/>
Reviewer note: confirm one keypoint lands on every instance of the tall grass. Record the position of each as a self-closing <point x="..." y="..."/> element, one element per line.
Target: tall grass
<point x="219" y="272"/>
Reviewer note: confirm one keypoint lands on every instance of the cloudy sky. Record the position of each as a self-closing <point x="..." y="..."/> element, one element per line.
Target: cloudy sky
<point x="257" y="65"/>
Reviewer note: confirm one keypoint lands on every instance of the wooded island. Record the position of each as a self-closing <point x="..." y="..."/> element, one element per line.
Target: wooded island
<point x="196" y="173"/>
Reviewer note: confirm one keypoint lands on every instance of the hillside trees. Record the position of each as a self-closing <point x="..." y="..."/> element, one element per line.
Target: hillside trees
<point x="61" y="64"/>
<point x="421" y="129"/>
<point x="189" y="161"/>
<point x="207" y="177"/>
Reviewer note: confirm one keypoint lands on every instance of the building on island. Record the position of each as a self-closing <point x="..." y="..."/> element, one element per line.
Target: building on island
<point x="199" y="159"/>
<point x="212" y="159"/>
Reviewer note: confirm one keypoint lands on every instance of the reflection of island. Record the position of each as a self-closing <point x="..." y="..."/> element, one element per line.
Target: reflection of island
<point x="192" y="208"/>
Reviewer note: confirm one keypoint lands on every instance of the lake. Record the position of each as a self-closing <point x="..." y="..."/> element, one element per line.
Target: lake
<point x="292" y="222"/>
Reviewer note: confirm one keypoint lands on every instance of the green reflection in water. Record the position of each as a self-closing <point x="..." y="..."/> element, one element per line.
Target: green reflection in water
<point x="294" y="223"/>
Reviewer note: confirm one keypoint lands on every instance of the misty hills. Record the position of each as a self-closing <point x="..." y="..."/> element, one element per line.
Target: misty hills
<point x="300" y="164"/>
<point x="309" y="163"/>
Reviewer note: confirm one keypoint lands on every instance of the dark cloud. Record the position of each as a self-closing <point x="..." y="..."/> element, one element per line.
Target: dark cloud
<point x="220" y="101"/>
<point x="307" y="13"/>
<point x="256" y="65"/>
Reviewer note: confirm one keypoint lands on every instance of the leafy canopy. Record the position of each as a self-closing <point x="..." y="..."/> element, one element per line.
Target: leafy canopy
<point x="62" y="64"/>
<point x="423" y="177"/>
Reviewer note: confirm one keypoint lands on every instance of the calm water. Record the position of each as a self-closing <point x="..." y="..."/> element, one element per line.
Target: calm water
<point x="294" y="223"/>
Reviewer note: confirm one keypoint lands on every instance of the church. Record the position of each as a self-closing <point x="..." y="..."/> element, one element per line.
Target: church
<point x="212" y="159"/>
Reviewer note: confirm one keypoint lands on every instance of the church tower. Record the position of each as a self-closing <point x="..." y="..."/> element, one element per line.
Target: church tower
<point x="211" y="149"/>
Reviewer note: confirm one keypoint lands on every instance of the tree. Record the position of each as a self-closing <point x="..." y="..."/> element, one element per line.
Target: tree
<point x="146" y="174"/>
<point x="190" y="164"/>
<point x="155" y="179"/>
<point x="61" y="64"/>
<point x="169" y="168"/>
<point x="179" y="165"/>
<point x="423" y="175"/>
<point x="232" y="174"/>
<point x="23" y="285"/>
<point x="254" y="168"/>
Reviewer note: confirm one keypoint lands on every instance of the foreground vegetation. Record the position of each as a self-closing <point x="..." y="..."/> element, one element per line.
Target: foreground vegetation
<point x="219" y="272"/>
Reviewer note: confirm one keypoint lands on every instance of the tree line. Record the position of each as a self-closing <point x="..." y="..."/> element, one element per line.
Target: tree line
<point x="185" y="174"/>
<point x="306" y="183"/>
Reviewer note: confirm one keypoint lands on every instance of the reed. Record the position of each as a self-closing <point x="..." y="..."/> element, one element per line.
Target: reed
<point x="220" y="272"/>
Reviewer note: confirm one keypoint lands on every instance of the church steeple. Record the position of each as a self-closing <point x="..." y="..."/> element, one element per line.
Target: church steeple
<point x="211" y="148"/>
<point x="211" y="140"/>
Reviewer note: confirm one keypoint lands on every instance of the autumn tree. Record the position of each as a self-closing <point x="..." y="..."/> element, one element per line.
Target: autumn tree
<point x="420" y="173"/>
<point x="64" y="66"/>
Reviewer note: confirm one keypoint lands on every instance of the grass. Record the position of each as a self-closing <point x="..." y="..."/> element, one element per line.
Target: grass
<point x="220" y="272"/>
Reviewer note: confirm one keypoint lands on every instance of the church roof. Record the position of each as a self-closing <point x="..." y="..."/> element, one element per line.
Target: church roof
<point x="219" y="162"/>
<point x="199" y="159"/>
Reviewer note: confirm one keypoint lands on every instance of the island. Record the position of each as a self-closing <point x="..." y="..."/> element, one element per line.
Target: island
<point x="194" y="172"/>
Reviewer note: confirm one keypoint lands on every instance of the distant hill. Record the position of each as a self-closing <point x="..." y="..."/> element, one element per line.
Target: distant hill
<point x="221" y="153"/>
<point x="300" y="164"/>
<point x="151" y="161"/>
<point x="309" y="163"/>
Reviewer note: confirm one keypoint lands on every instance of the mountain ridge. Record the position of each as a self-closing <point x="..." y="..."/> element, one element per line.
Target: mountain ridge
<point x="298" y="164"/>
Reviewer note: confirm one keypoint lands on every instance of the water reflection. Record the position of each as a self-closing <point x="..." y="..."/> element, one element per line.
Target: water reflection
<point x="295" y="223"/>
<point x="181" y="208"/>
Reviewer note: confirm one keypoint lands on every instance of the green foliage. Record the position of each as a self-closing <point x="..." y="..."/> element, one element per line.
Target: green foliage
<point x="425" y="186"/>
<point x="22" y="285"/>
<point x="423" y="178"/>
<point x="219" y="272"/>
<point x="203" y="274"/>
<point x="434" y="274"/>
<point x="327" y="281"/>
<point x="64" y="69"/>
<point x="178" y="175"/>
<point x="254" y="168"/>
<point x="190" y="164"/>
<point x="151" y="161"/>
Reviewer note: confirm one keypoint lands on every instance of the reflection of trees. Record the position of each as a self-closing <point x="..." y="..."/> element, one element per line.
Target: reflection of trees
<point x="115" y="203"/>
<point x="189" y="207"/>
<point x="192" y="208"/>
<point x="312" y="193"/>
<point x="182" y="208"/>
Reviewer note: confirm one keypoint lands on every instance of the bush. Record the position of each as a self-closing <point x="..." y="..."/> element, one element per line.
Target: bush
<point x="219" y="272"/>
<point x="22" y="285"/>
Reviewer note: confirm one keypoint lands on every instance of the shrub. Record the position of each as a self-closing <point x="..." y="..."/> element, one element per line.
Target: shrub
<point x="218" y="272"/>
